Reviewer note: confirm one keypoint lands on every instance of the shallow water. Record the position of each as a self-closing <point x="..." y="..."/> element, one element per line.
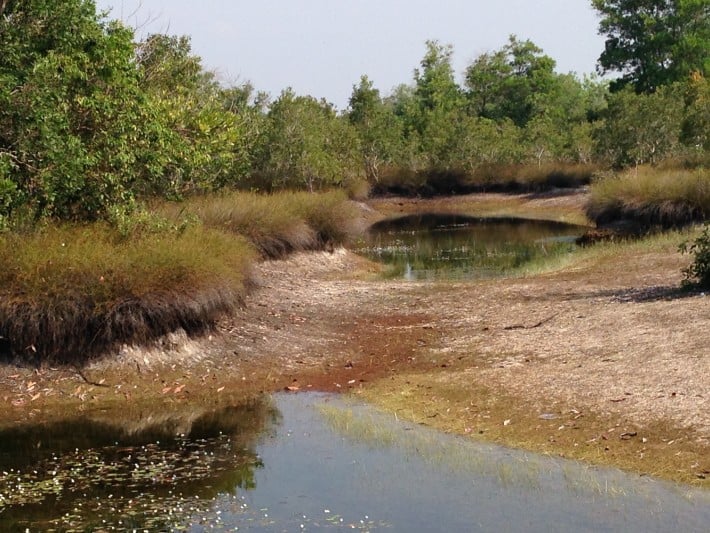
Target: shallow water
<point x="434" y="246"/>
<point x="305" y="462"/>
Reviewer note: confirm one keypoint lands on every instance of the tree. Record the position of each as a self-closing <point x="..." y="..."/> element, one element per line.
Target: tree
<point x="654" y="42"/>
<point x="438" y="105"/>
<point x="204" y="139"/>
<point x="70" y="109"/>
<point x="378" y="128"/>
<point x="510" y="82"/>
<point x="641" y="128"/>
<point x="696" y="123"/>
<point x="307" y="144"/>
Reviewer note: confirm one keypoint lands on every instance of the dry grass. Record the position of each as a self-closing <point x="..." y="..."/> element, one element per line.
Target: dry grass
<point x="70" y="293"/>
<point x="652" y="197"/>
<point x="533" y="177"/>
<point x="486" y="178"/>
<point x="280" y="223"/>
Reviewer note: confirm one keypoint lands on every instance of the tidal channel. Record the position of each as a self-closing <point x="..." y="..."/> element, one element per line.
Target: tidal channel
<point x="302" y="462"/>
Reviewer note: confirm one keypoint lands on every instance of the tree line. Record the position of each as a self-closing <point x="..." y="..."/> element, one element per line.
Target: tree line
<point x="93" y="122"/>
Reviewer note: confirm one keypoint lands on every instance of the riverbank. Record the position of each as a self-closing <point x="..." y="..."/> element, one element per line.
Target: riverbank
<point x="599" y="358"/>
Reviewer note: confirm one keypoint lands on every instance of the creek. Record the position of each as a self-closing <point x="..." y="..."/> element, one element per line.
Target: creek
<point x="444" y="246"/>
<point x="300" y="462"/>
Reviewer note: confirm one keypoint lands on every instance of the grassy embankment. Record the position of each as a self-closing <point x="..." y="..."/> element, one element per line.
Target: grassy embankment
<point x="652" y="197"/>
<point x="70" y="293"/>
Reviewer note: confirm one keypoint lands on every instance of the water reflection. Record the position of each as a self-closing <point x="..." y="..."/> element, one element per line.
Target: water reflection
<point x="81" y="474"/>
<point x="434" y="246"/>
<point x="305" y="462"/>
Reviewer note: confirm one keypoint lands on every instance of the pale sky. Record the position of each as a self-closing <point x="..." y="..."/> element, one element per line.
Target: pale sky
<point x="322" y="47"/>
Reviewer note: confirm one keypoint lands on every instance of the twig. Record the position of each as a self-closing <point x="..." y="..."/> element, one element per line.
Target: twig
<point x="90" y="382"/>
<point x="521" y="326"/>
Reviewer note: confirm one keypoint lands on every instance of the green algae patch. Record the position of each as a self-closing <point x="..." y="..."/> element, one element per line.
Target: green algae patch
<point x="439" y="399"/>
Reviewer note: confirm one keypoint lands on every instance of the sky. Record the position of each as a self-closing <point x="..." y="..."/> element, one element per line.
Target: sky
<point x="322" y="47"/>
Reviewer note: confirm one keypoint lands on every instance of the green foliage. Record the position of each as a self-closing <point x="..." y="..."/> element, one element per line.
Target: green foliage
<point x="379" y="130"/>
<point x="654" y="42"/>
<point x="202" y="135"/>
<point x="70" y="105"/>
<point x="307" y="145"/>
<point x="696" y="121"/>
<point x="437" y="105"/>
<point x="93" y="123"/>
<point x="640" y="128"/>
<point x="699" y="270"/>
<point x="90" y="121"/>
<point x="510" y="82"/>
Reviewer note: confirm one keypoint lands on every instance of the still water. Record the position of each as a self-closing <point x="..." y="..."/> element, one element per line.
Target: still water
<point x="434" y="246"/>
<point x="311" y="462"/>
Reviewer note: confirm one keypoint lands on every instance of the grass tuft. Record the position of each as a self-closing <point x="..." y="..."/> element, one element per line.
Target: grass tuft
<point x="485" y="178"/>
<point x="71" y="293"/>
<point x="280" y="223"/>
<point x="652" y="197"/>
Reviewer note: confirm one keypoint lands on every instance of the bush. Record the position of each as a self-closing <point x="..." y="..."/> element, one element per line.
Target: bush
<point x="699" y="270"/>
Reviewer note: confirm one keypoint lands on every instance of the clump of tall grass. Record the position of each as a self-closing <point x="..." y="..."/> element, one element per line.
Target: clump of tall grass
<point x="71" y="293"/>
<point x="651" y="197"/>
<point x="279" y="223"/>
<point x="533" y="178"/>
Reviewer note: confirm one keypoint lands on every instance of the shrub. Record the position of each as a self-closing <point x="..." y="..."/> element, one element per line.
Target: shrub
<point x="699" y="270"/>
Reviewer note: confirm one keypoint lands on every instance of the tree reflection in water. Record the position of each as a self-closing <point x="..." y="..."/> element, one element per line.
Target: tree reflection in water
<point x="83" y="473"/>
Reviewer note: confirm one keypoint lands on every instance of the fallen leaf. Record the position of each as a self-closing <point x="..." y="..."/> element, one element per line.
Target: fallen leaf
<point x="293" y="388"/>
<point x="220" y="389"/>
<point x="506" y="422"/>
<point x="179" y="388"/>
<point x="33" y="398"/>
<point x="166" y="390"/>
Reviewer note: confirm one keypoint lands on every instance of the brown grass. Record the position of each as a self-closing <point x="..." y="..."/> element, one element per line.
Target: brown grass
<point x="71" y="293"/>
<point x="652" y="197"/>
<point x="485" y="178"/>
<point x="280" y="223"/>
